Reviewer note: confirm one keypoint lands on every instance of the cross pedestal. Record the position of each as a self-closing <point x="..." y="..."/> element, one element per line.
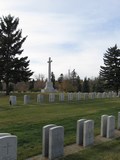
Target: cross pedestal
<point x="49" y="84"/>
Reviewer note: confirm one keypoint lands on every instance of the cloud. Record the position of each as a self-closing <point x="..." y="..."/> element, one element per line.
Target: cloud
<point x="74" y="33"/>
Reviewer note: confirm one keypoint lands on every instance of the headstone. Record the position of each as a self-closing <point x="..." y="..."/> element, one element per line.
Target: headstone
<point x="79" y="134"/>
<point x="104" y="95"/>
<point x="104" y="125"/>
<point x="99" y="95"/>
<point x="88" y="136"/>
<point x="119" y="94"/>
<point x="70" y="96"/>
<point x="110" y="126"/>
<point x="78" y="96"/>
<point x="45" y="139"/>
<point x="61" y="97"/>
<point x="26" y="99"/>
<point x="8" y="147"/>
<point x="51" y="97"/>
<point x="109" y="95"/>
<point x="4" y="134"/>
<point x="40" y="98"/>
<point x="12" y="100"/>
<point x="92" y="95"/>
<point x="118" y="120"/>
<point x="86" y="95"/>
<point x="56" y="142"/>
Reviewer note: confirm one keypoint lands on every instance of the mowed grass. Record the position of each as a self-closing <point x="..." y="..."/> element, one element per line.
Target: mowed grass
<point x="26" y="121"/>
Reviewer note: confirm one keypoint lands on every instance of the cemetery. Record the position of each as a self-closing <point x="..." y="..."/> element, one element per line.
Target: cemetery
<point x="67" y="119"/>
<point x="31" y="123"/>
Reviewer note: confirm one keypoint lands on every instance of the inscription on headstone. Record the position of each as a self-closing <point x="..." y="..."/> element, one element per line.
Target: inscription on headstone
<point x="56" y="142"/>
<point x="8" y="148"/>
<point x="88" y="136"/>
<point x="110" y="126"/>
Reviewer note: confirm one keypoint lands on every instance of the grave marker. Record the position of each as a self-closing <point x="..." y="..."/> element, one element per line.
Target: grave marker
<point x="110" y="126"/>
<point x="26" y="99"/>
<point x="8" y="147"/>
<point x="40" y="98"/>
<point x="61" y="97"/>
<point x="88" y="133"/>
<point x="56" y="142"/>
<point x="119" y="120"/>
<point x="79" y="134"/>
<point x="51" y="97"/>
<point x="104" y="125"/>
<point x="45" y="139"/>
<point x="12" y="100"/>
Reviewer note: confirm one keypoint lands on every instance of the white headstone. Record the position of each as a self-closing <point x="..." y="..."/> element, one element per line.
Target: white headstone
<point x="56" y="142"/>
<point x="104" y="125"/>
<point x="51" y="97"/>
<point x="92" y="95"/>
<point x="45" y="139"/>
<point x="61" y="97"/>
<point x="70" y="96"/>
<point x="4" y="134"/>
<point x="8" y="147"/>
<point x="40" y="98"/>
<point x="78" y="96"/>
<point x="26" y="99"/>
<point x="99" y="95"/>
<point x="88" y="136"/>
<point x="110" y="126"/>
<point x="86" y="95"/>
<point x="119" y="120"/>
<point x="79" y="134"/>
<point x="12" y="100"/>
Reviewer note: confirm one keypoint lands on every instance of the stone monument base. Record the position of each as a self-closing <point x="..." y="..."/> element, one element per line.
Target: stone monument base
<point x="48" y="87"/>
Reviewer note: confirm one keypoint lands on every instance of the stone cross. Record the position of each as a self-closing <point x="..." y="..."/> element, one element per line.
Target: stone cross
<point x="49" y="69"/>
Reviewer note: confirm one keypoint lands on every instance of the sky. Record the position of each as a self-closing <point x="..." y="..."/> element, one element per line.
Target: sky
<point x="74" y="33"/>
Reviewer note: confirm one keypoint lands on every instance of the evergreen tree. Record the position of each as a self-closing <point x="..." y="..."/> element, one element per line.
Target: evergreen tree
<point x="110" y="73"/>
<point x="13" y="68"/>
<point x="53" y="79"/>
<point x="78" y="84"/>
<point x="85" y="86"/>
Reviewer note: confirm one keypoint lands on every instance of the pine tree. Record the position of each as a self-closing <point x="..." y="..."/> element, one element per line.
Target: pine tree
<point x="85" y="86"/>
<point x="13" y="68"/>
<point x="111" y="71"/>
<point x="53" y="79"/>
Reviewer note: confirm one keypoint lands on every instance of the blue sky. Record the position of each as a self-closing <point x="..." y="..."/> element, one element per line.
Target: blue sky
<point x="74" y="33"/>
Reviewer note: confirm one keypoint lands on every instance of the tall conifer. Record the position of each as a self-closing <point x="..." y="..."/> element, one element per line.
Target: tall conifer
<point x="110" y="72"/>
<point x="13" y="67"/>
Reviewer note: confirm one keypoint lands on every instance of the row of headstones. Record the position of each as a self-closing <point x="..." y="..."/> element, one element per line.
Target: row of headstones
<point x="53" y="136"/>
<point x="8" y="146"/>
<point x="76" y="96"/>
<point x="70" y="97"/>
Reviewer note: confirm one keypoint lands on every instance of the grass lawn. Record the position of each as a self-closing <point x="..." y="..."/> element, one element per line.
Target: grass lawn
<point x="26" y="122"/>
